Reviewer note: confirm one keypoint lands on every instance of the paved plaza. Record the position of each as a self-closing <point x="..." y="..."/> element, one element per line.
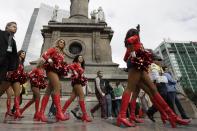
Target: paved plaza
<point x="98" y="124"/>
<point x="27" y="124"/>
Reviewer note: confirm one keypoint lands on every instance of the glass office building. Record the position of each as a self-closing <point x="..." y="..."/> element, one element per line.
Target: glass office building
<point x="181" y="58"/>
<point x="33" y="38"/>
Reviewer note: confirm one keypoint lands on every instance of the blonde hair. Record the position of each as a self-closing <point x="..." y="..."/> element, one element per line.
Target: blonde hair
<point x="57" y="42"/>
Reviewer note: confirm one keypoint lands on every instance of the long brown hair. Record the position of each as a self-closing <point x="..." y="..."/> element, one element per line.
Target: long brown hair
<point x="132" y="32"/>
<point x="76" y="59"/>
<point x="19" y="53"/>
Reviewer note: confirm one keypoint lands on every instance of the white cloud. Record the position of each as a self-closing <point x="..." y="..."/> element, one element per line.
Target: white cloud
<point x="175" y="19"/>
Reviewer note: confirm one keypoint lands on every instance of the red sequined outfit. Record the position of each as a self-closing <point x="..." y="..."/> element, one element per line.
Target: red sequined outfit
<point x="143" y="58"/>
<point x="58" y="65"/>
<point x="18" y="75"/>
<point x="37" y="78"/>
<point x="77" y="74"/>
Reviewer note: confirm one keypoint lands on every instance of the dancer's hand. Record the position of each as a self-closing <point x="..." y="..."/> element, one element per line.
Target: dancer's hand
<point x="50" y="60"/>
<point x="133" y="54"/>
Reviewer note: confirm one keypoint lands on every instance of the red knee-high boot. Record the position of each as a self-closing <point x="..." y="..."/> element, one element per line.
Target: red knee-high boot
<point x="59" y="114"/>
<point x="44" y="102"/>
<point x="85" y="116"/>
<point x="132" y="112"/>
<point x="36" y="115"/>
<point x="66" y="105"/>
<point x="29" y="103"/>
<point x="17" y="113"/>
<point x="121" y="119"/>
<point x="164" y="116"/>
<point x="8" y="108"/>
<point x="173" y="118"/>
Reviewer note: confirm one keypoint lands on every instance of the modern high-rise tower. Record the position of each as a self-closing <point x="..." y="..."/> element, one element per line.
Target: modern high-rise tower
<point x="181" y="58"/>
<point x="33" y="39"/>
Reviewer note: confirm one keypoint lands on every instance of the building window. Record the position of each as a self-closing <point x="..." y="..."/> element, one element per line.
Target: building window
<point x="75" y="48"/>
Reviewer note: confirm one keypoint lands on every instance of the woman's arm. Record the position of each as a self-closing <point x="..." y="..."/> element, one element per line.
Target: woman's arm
<point x="32" y="73"/>
<point x="47" y="54"/>
<point x="130" y="52"/>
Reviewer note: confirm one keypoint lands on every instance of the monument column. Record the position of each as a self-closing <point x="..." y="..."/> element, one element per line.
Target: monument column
<point x="87" y="37"/>
<point x="79" y="9"/>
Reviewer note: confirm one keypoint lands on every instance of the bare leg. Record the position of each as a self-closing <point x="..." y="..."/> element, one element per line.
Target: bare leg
<point x="135" y="93"/>
<point x="44" y="102"/>
<point x="133" y="106"/>
<point x="36" y="92"/>
<point x="133" y="79"/>
<point x="17" y="88"/>
<point x="147" y="81"/>
<point x="161" y="104"/>
<point x="69" y="101"/>
<point x="54" y="81"/>
<point x="79" y="91"/>
<point x="49" y="90"/>
<point x="9" y="92"/>
<point x="142" y="86"/>
<point x="4" y="86"/>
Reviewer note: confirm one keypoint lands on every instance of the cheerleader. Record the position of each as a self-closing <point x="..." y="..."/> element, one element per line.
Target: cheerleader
<point x="18" y="77"/>
<point x="55" y="68"/>
<point x="138" y="61"/>
<point x="78" y="82"/>
<point x="38" y="82"/>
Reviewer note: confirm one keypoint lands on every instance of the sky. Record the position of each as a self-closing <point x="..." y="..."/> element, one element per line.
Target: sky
<point x="159" y="19"/>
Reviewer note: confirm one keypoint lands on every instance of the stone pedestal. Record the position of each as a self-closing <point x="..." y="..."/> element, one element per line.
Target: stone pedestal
<point x="87" y="37"/>
<point x="91" y="40"/>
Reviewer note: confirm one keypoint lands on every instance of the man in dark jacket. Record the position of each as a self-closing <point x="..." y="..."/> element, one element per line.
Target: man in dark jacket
<point x="8" y="54"/>
<point x="100" y="92"/>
